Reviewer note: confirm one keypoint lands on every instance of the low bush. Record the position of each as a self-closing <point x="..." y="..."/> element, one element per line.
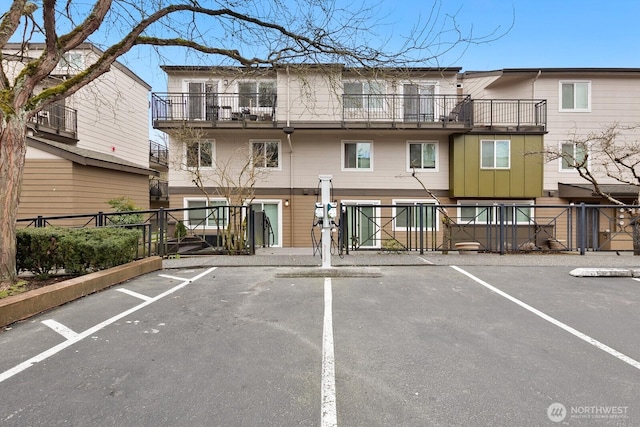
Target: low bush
<point x="43" y="251"/>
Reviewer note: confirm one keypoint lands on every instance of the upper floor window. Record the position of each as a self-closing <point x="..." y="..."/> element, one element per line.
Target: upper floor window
<point x="357" y="155"/>
<point x="199" y="154"/>
<point x="369" y="95"/>
<point x="575" y="96"/>
<point x="266" y="154"/>
<point x="257" y="94"/>
<point x="495" y="154"/>
<point x="572" y="156"/>
<point x="422" y="156"/>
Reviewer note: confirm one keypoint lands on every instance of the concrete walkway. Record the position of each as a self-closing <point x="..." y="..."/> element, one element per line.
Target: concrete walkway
<point x="598" y="263"/>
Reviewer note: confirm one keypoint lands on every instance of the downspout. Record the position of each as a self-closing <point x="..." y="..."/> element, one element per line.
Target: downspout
<point x="291" y="205"/>
<point x="533" y="84"/>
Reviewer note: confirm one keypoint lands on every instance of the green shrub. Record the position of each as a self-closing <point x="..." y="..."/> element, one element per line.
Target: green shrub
<point x="79" y="251"/>
<point x="124" y="204"/>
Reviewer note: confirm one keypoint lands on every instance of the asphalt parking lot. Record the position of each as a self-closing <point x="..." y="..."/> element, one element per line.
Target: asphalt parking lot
<point x="410" y="346"/>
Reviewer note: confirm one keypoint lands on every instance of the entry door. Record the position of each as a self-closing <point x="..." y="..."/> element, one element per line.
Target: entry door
<point x="203" y="100"/>
<point x="363" y="224"/>
<point x="271" y="230"/>
<point x="418" y="103"/>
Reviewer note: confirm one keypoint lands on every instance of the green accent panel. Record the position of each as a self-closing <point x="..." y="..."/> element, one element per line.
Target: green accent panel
<point x="524" y="178"/>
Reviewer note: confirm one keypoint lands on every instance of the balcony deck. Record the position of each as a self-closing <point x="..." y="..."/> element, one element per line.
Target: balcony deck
<point x="56" y="122"/>
<point x="458" y="113"/>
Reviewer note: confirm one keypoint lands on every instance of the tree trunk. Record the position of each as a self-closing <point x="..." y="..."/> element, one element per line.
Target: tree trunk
<point x="636" y="236"/>
<point x="13" y="148"/>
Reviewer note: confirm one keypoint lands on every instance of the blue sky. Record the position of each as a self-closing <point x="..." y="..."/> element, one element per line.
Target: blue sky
<point x="544" y="33"/>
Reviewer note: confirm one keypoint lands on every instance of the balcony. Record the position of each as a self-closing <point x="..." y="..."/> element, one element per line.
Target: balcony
<point x="388" y="111"/>
<point x="158" y="156"/>
<point x="158" y="190"/>
<point x="56" y="122"/>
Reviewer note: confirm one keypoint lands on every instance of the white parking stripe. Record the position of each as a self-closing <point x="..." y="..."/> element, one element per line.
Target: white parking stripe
<point x="553" y="321"/>
<point x="166" y="276"/>
<point x="60" y="328"/>
<point x="133" y="294"/>
<point x="79" y="337"/>
<point x="329" y="414"/>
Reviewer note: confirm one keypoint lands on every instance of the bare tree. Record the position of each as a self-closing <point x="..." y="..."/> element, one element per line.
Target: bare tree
<point x="600" y="157"/>
<point x="233" y="178"/>
<point x="245" y="33"/>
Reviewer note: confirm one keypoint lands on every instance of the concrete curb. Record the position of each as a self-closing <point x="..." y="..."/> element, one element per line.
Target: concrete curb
<point x="605" y="272"/>
<point x="27" y="304"/>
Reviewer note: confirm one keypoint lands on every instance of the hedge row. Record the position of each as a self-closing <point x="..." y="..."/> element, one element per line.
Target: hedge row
<point x="44" y="251"/>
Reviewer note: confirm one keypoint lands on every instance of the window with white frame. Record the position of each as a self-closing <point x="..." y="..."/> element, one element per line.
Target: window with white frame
<point x="415" y="215"/>
<point x="257" y="94"/>
<point x="266" y="154"/>
<point x="485" y="212"/>
<point x="572" y="155"/>
<point x="422" y="155"/>
<point x="199" y="154"/>
<point x="215" y="214"/>
<point x="575" y="96"/>
<point x="495" y="154"/>
<point x="368" y="95"/>
<point x="357" y="155"/>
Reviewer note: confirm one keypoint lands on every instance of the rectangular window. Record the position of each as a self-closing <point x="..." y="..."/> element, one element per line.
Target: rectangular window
<point x="256" y="94"/>
<point x="199" y="154"/>
<point x="422" y="155"/>
<point x="266" y="154"/>
<point x="414" y="214"/>
<point x="572" y="156"/>
<point x="357" y="155"/>
<point x="213" y="215"/>
<point x="368" y="95"/>
<point x="575" y="96"/>
<point x="490" y="213"/>
<point x="495" y="154"/>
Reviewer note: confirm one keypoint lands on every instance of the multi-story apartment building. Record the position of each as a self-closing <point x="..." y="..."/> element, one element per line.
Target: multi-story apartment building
<point x="90" y="147"/>
<point x="387" y="138"/>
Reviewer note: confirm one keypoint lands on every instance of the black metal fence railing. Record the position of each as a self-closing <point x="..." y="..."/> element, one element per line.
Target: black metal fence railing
<point x="158" y="153"/>
<point x="213" y="106"/>
<point x="516" y="113"/>
<point x="498" y="228"/>
<point x="58" y="118"/>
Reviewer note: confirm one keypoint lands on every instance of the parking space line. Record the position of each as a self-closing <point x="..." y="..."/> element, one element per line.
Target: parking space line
<point x="133" y="294"/>
<point x="60" y="328"/>
<point x="567" y="328"/>
<point x="167" y="276"/>
<point x="329" y="415"/>
<point x="79" y="337"/>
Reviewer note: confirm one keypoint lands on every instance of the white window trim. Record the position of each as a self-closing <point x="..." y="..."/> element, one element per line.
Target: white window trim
<point x="342" y="159"/>
<point x="494" y="155"/>
<point x="570" y="170"/>
<point x="574" y="110"/>
<point x="280" y="224"/>
<point x="213" y="155"/>
<point x="436" y="219"/>
<point x="265" y="168"/>
<point x="436" y="143"/>
<point x="206" y="225"/>
<point x="486" y="204"/>
<point x="377" y="214"/>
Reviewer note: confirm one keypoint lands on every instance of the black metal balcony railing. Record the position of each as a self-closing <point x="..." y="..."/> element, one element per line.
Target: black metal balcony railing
<point x="391" y="108"/>
<point x="213" y="106"/>
<point x="158" y="190"/>
<point x="57" y="118"/>
<point x="158" y="153"/>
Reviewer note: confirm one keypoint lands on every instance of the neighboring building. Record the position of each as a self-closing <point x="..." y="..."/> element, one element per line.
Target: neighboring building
<point x="90" y="147"/>
<point x="580" y="101"/>
<point x="370" y="132"/>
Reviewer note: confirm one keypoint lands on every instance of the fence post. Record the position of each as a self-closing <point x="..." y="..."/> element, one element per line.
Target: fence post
<point x="251" y="230"/>
<point x="39" y="221"/>
<point x="100" y="219"/>
<point x="501" y="233"/>
<point x="583" y="228"/>
<point x="421" y="215"/>
<point x="161" y="231"/>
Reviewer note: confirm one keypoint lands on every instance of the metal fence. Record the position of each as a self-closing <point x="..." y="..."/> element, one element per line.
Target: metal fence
<point x="420" y="227"/>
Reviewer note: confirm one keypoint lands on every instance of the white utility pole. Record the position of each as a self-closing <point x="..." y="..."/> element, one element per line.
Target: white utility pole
<point x="325" y="188"/>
